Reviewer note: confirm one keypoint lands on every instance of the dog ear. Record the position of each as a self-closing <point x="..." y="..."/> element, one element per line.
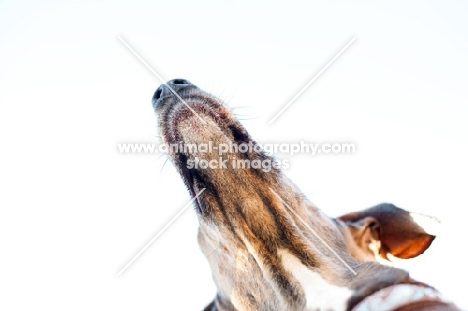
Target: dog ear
<point x="385" y="229"/>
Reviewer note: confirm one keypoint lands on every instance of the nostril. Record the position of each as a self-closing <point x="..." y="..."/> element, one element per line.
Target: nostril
<point x="179" y="82"/>
<point x="157" y="94"/>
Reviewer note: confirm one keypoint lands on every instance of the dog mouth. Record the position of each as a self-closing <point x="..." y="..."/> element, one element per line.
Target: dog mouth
<point x="205" y="141"/>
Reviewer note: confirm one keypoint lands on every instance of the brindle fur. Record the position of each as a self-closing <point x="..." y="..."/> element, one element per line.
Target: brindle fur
<point x="243" y="224"/>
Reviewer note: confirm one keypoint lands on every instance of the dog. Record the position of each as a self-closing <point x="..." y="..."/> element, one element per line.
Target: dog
<point x="268" y="246"/>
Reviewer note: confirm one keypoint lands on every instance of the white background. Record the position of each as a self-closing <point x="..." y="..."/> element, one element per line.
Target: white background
<point x="74" y="211"/>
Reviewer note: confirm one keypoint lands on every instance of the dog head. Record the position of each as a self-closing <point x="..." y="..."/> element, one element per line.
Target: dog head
<point x="270" y="248"/>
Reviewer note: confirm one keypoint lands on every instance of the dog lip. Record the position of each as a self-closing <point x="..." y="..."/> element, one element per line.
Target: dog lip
<point x="158" y="102"/>
<point x="164" y="92"/>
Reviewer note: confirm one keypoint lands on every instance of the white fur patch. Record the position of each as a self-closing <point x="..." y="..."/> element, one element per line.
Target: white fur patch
<point x="320" y="295"/>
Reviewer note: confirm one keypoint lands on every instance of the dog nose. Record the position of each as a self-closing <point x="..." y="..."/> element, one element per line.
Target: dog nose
<point x="165" y="89"/>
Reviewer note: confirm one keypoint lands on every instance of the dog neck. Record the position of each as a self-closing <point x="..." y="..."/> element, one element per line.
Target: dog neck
<point x="277" y="263"/>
